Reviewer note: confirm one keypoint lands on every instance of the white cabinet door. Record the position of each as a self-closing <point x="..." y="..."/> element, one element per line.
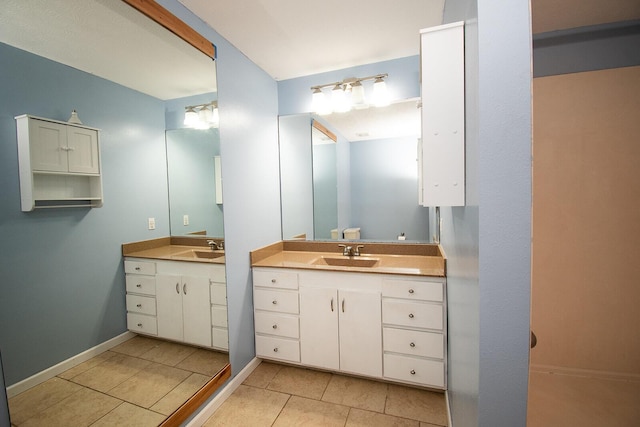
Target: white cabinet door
<point x="82" y="149"/>
<point x="360" y="332"/>
<point x="196" y="310"/>
<point x="169" y="302"/>
<point x="48" y="146"/>
<point x="319" y="328"/>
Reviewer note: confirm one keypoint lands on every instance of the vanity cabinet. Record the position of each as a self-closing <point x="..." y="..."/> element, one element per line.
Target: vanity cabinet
<point x="184" y="309"/>
<point x="414" y="333"/>
<point x="382" y="326"/>
<point x="59" y="164"/>
<point x="340" y="327"/>
<point x="276" y="314"/>
<point x="140" y="299"/>
<point x="179" y="301"/>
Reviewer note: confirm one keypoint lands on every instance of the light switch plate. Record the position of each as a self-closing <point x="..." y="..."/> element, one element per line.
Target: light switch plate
<point x="185" y="220"/>
<point x="152" y="223"/>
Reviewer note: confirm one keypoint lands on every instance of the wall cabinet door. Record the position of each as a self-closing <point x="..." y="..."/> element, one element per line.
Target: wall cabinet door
<point x="319" y="328"/>
<point x="48" y="146"/>
<point x="82" y="149"/>
<point x="184" y="312"/>
<point x="341" y="330"/>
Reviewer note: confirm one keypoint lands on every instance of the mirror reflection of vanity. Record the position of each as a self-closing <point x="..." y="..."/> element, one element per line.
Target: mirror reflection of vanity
<point x="136" y="48"/>
<point x="367" y="178"/>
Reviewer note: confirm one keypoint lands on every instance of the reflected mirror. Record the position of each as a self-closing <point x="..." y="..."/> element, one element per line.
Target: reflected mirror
<point x="111" y="40"/>
<point x="193" y="173"/>
<point x="363" y="186"/>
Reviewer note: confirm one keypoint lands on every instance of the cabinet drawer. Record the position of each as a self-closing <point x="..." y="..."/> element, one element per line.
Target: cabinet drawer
<point x="275" y="279"/>
<point x="273" y="300"/>
<point x="142" y="305"/>
<point x="277" y="348"/>
<point x="412" y="314"/>
<point x="413" y="289"/>
<point x="277" y="324"/>
<point x="141" y="284"/>
<point x="142" y="323"/>
<point x="220" y="338"/>
<point x="218" y="294"/>
<point x="219" y="315"/>
<point x="139" y="267"/>
<point x="415" y="370"/>
<point x="415" y="343"/>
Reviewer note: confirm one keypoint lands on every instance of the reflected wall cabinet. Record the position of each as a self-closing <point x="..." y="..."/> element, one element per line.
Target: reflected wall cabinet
<point x="59" y="164"/>
<point x="443" y="118"/>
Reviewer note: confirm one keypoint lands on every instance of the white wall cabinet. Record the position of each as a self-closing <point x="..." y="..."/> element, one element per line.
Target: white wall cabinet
<point x="59" y="164"/>
<point x="443" y="115"/>
<point x="376" y="325"/>
<point x="179" y="301"/>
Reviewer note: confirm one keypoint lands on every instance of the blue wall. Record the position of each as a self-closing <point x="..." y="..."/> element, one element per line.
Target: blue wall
<point x="488" y="241"/>
<point x="62" y="268"/>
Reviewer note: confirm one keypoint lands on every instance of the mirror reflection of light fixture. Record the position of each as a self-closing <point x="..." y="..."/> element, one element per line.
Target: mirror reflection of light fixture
<point x="203" y="116"/>
<point x="349" y="94"/>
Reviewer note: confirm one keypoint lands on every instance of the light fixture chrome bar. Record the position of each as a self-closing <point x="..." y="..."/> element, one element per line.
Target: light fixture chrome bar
<point x="351" y="80"/>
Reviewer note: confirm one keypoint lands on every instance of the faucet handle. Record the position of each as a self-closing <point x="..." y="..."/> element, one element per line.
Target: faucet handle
<point x="346" y="250"/>
<point x="356" y="251"/>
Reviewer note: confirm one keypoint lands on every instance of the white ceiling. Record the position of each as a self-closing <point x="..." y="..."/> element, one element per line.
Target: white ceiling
<point x="110" y="39"/>
<point x="293" y="38"/>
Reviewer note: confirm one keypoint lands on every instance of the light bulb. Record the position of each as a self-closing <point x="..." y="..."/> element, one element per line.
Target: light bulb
<point x="339" y="100"/>
<point x="190" y="117"/>
<point x="357" y="95"/>
<point x="215" y="118"/>
<point x="319" y="102"/>
<point x="380" y="96"/>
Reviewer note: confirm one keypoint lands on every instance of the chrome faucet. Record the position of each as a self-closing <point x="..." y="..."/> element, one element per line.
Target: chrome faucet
<point x="216" y="245"/>
<point x="350" y="250"/>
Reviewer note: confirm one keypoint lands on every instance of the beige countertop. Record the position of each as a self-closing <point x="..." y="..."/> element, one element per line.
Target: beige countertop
<point x="190" y="249"/>
<point x="381" y="258"/>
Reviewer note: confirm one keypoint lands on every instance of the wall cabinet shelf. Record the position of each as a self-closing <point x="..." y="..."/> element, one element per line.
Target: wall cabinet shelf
<point x="59" y="164"/>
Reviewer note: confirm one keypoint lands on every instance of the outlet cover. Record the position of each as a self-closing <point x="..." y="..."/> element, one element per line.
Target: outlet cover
<point x="152" y="223"/>
<point x="185" y="220"/>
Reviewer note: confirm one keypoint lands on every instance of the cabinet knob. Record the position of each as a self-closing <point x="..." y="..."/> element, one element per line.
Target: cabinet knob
<point x="274" y="302"/>
<point x="140" y="325"/>
<point x="411" y="291"/>
<point x="412" y="344"/>
<point x="139" y="285"/>
<point x="139" y="305"/>
<point x="137" y="268"/>
<point x="413" y="372"/>
<point x="275" y="326"/>
<point x="177" y="288"/>
<point x="410" y="315"/>
<point x="273" y="280"/>
<point x="275" y="350"/>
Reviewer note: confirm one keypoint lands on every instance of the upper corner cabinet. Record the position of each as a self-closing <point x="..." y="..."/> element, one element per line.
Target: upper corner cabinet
<point x="443" y="115"/>
<point x="59" y="164"/>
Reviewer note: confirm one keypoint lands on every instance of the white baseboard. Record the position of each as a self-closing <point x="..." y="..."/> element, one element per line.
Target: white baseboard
<point x="201" y="417"/>
<point x="446" y="402"/>
<point x="603" y="375"/>
<point x="51" y="372"/>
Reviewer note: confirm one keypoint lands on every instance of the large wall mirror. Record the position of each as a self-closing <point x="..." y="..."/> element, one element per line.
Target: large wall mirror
<point x="353" y="176"/>
<point x="112" y="40"/>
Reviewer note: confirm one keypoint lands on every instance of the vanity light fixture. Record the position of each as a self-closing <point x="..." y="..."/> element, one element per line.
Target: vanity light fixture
<point x="203" y="116"/>
<point x="349" y="94"/>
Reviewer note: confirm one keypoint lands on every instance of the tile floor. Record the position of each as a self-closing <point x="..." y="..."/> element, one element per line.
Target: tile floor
<point x="139" y="382"/>
<point x="569" y="400"/>
<point x="279" y="395"/>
